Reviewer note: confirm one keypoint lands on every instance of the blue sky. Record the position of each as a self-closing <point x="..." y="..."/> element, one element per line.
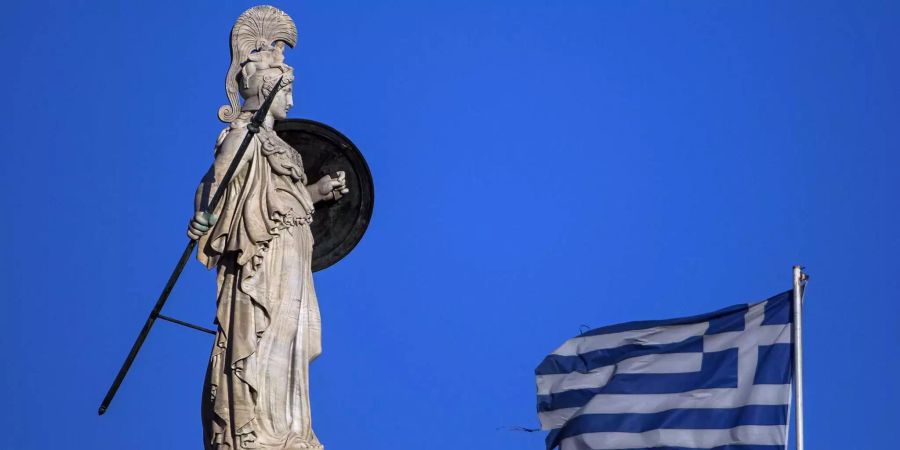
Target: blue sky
<point x="538" y="166"/>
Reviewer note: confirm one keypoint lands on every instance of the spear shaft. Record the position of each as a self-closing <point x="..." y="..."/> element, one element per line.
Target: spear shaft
<point x="252" y="129"/>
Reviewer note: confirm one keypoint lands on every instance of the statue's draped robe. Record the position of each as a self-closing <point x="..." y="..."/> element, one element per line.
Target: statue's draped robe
<point x="257" y="385"/>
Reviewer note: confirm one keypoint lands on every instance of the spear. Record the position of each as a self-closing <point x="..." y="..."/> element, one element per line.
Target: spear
<point x="252" y="129"/>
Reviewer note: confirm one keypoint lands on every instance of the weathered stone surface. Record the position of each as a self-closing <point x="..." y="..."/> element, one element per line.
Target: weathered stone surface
<point x="260" y="241"/>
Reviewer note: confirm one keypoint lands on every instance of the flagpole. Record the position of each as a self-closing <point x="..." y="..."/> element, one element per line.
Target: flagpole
<point x="799" y="282"/>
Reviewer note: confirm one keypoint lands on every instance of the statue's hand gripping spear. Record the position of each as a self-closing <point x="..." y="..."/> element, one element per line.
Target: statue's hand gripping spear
<point x="252" y="129"/>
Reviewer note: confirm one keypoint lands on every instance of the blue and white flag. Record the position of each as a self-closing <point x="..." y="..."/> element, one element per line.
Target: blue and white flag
<point x="714" y="381"/>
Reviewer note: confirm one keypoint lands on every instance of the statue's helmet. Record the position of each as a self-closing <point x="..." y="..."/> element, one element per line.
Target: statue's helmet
<point x="257" y="58"/>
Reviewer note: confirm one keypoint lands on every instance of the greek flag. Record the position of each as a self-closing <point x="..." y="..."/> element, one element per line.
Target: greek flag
<point x="715" y="381"/>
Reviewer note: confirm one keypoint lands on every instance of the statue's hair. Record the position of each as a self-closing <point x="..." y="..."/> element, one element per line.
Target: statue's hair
<point x="270" y="80"/>
<point x="257" y="29"/>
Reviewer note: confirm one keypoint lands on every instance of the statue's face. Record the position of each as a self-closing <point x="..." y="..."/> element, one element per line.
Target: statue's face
<point x="283" y="102"/>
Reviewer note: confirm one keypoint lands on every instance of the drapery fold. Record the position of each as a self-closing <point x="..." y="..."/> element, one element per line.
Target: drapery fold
<point x="269" y="330"/>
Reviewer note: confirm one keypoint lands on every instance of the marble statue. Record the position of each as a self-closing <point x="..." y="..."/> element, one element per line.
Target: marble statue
<point x="256" y="393"/>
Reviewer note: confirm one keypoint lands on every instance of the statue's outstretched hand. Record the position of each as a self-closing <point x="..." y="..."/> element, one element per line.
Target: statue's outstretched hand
<point x="200" y="224"/>
<point x="329" y="188"/>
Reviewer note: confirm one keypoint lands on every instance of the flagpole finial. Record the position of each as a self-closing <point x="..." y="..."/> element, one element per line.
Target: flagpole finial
<point x="800" y="274"/>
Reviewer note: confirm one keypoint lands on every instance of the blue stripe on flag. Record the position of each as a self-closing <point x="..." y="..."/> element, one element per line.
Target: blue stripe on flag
<point x="719" y="370"/>
<point x="691" y="419"/>
<point x="720" y="447"/>
<point x="585" y="362"/>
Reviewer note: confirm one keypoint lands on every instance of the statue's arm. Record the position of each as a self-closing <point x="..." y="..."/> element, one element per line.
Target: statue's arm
<point x="226" y="150"/>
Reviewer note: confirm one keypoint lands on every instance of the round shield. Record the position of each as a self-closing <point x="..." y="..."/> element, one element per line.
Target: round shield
<point x="337" y="225"/>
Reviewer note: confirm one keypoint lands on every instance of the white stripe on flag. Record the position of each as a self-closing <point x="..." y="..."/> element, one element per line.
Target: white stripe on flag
<point x="665" y="363"/>
<point x="646" y="336"/>
<point x="560" y="382"/>
<point x="697" y="439"/>
<point x="764" y="394"/>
